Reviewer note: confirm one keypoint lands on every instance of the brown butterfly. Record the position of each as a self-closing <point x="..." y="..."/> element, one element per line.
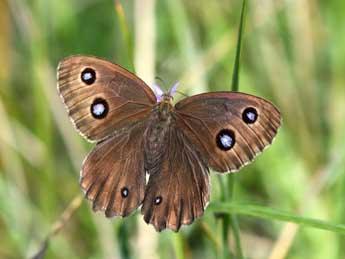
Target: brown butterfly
<point x="139" y="133"/>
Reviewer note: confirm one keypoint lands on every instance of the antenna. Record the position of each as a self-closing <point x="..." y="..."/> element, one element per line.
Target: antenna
<point x="160" y="79"/>
<point x="185" y="95"/>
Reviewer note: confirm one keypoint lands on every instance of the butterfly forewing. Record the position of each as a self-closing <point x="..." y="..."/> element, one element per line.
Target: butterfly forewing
<point x="228" y="128"/>
<point x="102" y="97"/>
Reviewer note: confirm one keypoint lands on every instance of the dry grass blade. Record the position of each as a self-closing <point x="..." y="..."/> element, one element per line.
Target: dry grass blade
<point x="59" y="225"/>
<point x="144" y="61"/>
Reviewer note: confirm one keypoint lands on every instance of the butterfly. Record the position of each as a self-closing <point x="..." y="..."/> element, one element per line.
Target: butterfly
<point x="139" y="133"/>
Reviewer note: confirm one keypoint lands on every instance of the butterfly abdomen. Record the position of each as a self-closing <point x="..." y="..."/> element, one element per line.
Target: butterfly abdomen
<point x="156" y="139"/>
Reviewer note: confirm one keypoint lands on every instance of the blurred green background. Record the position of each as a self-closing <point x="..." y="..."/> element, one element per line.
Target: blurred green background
<point x="293" y="54"/>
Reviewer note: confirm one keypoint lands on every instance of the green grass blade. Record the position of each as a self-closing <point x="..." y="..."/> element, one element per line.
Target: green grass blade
<point x="125" y="31"/>
<point x="274" y="214"/>
<point x="231" y="180"/>
<point x="178" y="245"/>
<point x="233" y="218"/>
<point x="237" y="239"/>
<point x="236" y="71"/>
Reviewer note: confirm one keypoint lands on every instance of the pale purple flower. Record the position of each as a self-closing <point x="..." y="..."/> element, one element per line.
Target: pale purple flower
<point x="174" y="88"/>
<point x="158" y="92"/>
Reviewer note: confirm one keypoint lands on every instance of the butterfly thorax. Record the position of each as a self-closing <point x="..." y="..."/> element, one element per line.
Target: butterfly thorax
<point x="165" y="107"/>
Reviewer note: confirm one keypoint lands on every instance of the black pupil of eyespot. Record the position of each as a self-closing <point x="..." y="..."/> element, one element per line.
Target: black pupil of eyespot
<point x="249" y="115"/>
<point x="225" y="139"/>
<point x="88" y="76"/>
<point x="124" y="192"/>
<point x="99" y="108"/>
<point x="158" y="200"/>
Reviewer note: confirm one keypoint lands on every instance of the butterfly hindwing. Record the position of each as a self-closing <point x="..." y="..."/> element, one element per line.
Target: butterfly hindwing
<point x="179" y="192"/>
<point x="113" y="174"/>
<point x="229" y="128"/>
